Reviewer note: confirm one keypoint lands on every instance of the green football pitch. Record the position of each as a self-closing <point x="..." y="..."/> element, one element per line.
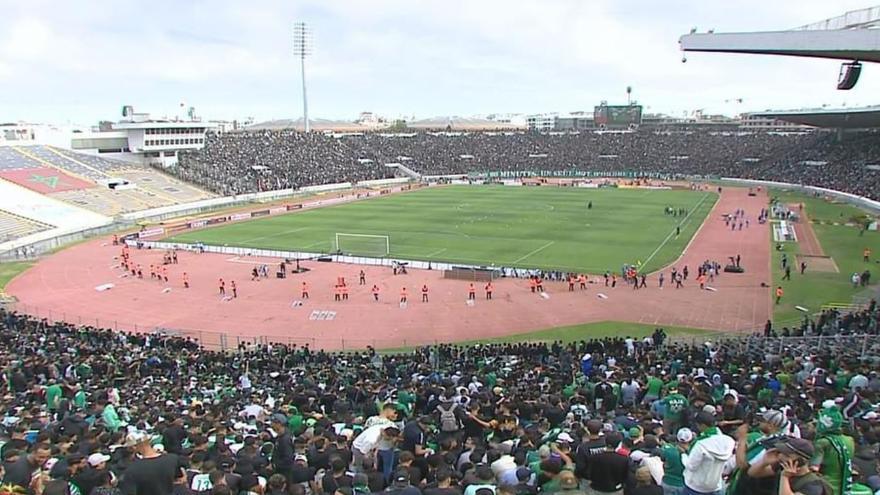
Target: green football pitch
<point x="529" y="227"/>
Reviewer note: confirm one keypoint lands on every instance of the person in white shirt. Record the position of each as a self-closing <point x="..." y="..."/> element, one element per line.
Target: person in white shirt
<point x="365" y="446"/>
<point x="244" y="381"/>
<point x="710" y="456"/>
<point x="254" y="410"/>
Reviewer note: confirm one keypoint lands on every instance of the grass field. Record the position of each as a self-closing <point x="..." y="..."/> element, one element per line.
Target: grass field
<point x="8" y="271"/>
<point x="842" y="243"/>
<point x="539" y="227"/>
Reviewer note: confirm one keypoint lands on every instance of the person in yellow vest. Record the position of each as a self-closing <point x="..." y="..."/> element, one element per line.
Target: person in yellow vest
<point x="779" y="293"/>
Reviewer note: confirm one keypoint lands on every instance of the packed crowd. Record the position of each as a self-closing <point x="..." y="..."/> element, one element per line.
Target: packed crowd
<point x="91" y="411"/>
<point x="264" y="160"/>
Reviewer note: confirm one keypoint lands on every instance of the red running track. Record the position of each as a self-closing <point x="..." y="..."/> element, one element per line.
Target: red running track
<point x="62" y="286"/>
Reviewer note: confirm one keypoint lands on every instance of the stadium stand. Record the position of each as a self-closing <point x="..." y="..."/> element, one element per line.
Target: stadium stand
<point x="81" y="180"/>
<point x="95" y="411"/>
<point x="263" y="160"/>
<point x="13" y="226"/>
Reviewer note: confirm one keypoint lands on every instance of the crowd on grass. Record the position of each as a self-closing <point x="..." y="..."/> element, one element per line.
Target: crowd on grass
<point x="252" y="161"/>
<point x="96" y="412"/>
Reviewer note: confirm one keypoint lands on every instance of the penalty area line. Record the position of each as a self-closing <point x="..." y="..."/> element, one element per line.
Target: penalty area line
<point x="435" y="253"/>
<point x="672" y="233"/>
<point x="536" y="251"/>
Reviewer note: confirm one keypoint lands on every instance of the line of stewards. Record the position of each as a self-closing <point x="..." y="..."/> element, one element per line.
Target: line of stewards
<point x="536" y="284"/>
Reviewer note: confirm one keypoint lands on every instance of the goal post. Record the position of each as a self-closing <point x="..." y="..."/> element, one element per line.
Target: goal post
<point x="362" y="244"/>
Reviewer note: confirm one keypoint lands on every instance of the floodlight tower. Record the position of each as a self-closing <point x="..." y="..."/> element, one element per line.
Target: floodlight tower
<point x="303" y="45"/>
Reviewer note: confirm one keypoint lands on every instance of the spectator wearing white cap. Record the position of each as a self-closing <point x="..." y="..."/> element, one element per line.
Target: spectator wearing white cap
<point x="673" y="462"/>
<point x="92" y="475"/>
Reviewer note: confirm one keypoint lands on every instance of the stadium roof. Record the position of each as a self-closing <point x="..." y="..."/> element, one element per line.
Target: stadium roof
<point x="460" y="124"/>
<point x="851" y="36"/>
<point x="850" y="118"/>
<point x="315" y="124"/>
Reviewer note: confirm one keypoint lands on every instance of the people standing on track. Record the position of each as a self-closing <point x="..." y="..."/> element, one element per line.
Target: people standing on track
<point x="533" y="283"/>
<point x="540" y="282"/>
<point x="684" y="272"/>
<point x="582" y="281"/>
<point x="345" y="293"/>
<point x="305" y="290"/>
<point x="489" y="289"/>
<point x="702" y="280"/>
<point x="375" y="291"/>
<point x="644" y="283"/>
<point x="678" y="279"/>
<point x="185" y="281"/>
<point x="472" y="292"/>
<point x="337" y="292"/>
<point x="571" y="282"/>
<point x="362" y="278"/>
<point x="660" y="279"/>
<point x="425" y="293"/>
<point x="165" y="274"/>
<point x="222" y="287"/>
<point x="607" y="276"/>
<point x="779" y="294"/>
<point x="613" y="280"/>
<point x="403" y="295"/>
<point x="234" y="289"/>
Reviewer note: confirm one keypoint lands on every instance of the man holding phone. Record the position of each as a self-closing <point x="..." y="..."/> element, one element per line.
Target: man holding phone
<point x="789" y="461"/>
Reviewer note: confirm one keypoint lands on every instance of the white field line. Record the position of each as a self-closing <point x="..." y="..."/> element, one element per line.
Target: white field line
<point x="276" y="234"/>
<point x="435" y="253"/>
<point x="536" y="251"/>
<point x="672" y="232"/>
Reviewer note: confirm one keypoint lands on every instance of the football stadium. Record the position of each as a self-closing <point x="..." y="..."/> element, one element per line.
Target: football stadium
<point x="620" y="301"/>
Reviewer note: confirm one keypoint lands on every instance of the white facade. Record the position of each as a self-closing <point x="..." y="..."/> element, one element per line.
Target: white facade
<point x="541" y="122"/>
<point x="158" y="143"/>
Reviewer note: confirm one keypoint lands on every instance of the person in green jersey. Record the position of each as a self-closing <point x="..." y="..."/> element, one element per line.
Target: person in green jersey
<point x="833" y="451"/>
<point x="673" y="467"/>
<point x="653" y="389"/>
<point x="674" y="405"/>
<point x="54" y="393"/>
<point x="751" y="447"/>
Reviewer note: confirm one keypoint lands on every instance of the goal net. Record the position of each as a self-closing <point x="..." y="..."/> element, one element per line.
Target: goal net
<point x="362" y="244"/>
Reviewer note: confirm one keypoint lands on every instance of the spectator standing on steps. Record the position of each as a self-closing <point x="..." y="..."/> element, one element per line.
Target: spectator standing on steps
<point x="704" y="463"/>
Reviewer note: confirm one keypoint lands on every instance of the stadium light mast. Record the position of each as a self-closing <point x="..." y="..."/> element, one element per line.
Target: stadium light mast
<point x="303" y="46"/>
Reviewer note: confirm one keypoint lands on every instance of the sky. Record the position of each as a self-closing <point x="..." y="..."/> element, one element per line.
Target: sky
<point x="79" y="62"/>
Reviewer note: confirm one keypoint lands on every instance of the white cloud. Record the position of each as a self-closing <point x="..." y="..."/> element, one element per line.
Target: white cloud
<point x="430" y="57"/>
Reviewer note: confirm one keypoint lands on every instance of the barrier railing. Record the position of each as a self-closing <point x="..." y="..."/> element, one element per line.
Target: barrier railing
<point x="231" y="340"/>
